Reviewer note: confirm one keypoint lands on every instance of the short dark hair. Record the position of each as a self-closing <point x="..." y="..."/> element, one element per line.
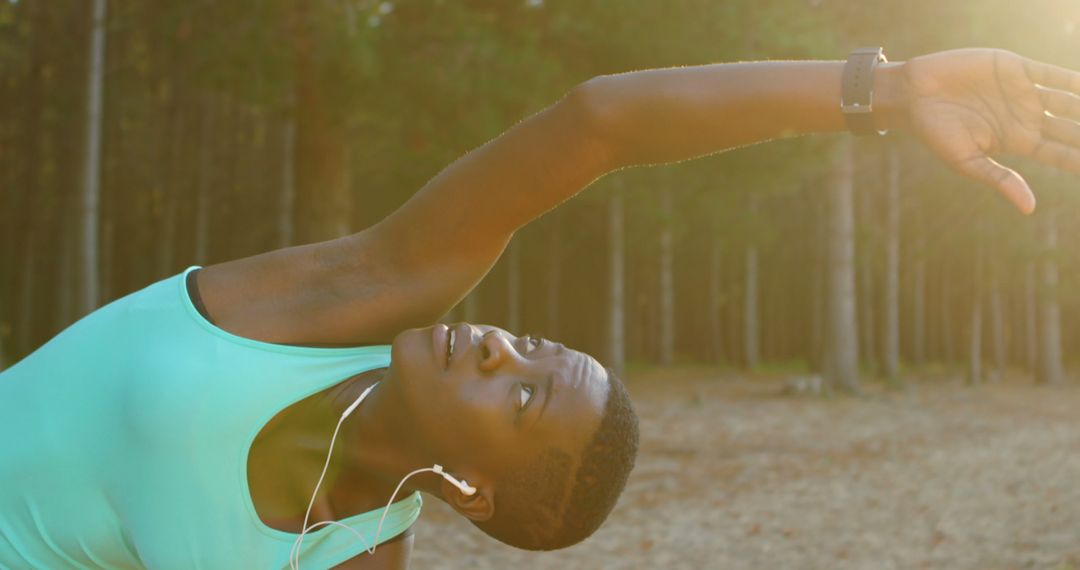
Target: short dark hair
<point x="545" y="505"/>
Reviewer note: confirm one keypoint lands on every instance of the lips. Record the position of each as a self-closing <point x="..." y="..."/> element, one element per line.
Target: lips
<point x="450" y="346"/>
<point x="447" y="343"/>
<point x="440" y="336"/>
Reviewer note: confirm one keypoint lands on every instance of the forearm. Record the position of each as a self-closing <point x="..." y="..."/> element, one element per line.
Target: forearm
<point x="667" y="115"/>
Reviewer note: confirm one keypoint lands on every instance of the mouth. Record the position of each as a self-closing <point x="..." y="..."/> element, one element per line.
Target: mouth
<point x="440" y="342"/>
<point x="459" y="339"/>
<point x="451" y="339"/>
<point x="443" y="343"/>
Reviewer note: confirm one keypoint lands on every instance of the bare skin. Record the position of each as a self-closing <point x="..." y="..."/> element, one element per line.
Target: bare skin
<point x="967" y="106"/>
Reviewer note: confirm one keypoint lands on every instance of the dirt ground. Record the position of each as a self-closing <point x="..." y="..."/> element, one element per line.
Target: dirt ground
<point x="734" y="475"/>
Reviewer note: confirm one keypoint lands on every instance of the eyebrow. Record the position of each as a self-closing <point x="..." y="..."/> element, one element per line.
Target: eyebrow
<point x="547" y="397"/>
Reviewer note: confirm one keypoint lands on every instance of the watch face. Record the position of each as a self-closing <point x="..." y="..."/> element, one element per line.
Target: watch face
<point x="857" y="92"/>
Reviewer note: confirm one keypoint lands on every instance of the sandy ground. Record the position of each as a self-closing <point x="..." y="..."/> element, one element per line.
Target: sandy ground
<point x="734" y="475"/>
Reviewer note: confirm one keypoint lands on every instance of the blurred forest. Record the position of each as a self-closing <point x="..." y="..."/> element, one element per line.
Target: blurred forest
<point x="138" y="138"/>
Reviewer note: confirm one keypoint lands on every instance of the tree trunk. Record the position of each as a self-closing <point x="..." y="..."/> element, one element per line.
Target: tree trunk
<point x="843" y="339"/>
<point x="1051" y="369"/>
<point x="26" y="190"/>
<point x="106" y="255"/>
<point x="88" y="260"/>
<point x="287" y="191"/>
<point x="947" y="336"/>
<point x="975" y="346"/>
<point x="918" y="303"/>
<point x="25" y="337"/>
<point x="716" y="298"/>
<point x="616" y="307"/>
<point x="69" y="245"/>
<point x="997" y="328"/>
<point x="751" y="325"/>
<point x="202" y="193"/>
<point x="322" y="153"/>
<point x="667" y="282"/>
<point x="975" y="354"/>
<point x="513" y="287"/>
<point x="819" y="291"/>
<point x="890" y="349"/>
<point x="167" y="245"/>
<point x="554" y="275"/>
<point x="470" y="307"/>
<point x="866" y="281"/>
<point x="733" y="321"/>
<point x="1031" y="319"/>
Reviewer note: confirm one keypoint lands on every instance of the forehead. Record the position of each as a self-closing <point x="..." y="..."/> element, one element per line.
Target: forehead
<point x="589" y="378"/>
<point x="579" y="393"/>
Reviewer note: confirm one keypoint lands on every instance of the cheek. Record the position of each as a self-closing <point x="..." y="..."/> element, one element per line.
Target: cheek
<point x="469" y="426"/>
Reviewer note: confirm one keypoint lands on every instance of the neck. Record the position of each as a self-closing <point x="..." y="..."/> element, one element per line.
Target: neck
<point x="375" y="446"/>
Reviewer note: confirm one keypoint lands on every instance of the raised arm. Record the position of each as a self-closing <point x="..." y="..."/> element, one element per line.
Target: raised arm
<point x="966" y="105"/>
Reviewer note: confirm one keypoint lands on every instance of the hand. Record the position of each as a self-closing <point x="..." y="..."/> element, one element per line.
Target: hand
<point x="972" y="104"/>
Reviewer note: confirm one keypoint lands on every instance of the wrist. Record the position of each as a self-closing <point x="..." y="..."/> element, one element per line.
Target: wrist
<point x="891" y="97"/>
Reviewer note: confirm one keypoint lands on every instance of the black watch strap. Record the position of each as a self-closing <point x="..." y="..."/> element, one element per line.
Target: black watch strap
<point x="857" y="90"/>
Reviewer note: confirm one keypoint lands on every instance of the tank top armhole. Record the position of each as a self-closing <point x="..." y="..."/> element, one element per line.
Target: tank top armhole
<point x="196" y="298"/>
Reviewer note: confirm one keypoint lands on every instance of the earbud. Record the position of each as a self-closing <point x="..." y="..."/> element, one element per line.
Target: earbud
<point x="462" y="485"/>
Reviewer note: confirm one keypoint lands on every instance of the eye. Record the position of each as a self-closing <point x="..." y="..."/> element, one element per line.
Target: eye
<point x="532" y="343"/>
<point x="526" y="395"/>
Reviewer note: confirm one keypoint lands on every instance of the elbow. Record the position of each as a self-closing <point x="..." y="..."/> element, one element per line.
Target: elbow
<point x="594" y="115"/>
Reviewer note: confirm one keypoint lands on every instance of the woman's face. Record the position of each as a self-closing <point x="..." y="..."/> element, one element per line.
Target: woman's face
<point x="483" y="399"/>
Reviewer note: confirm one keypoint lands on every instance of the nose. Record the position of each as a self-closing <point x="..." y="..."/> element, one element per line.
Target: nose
<point x="495" y="351"/>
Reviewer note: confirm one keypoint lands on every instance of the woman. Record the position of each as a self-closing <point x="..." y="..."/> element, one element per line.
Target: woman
<point x="167" y="432"/>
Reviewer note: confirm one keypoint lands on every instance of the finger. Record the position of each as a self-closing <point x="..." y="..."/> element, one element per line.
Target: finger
<point x="1060" y="103"/>
<point x="1061" y="130"/>
<point x="1058" y="155"/>
<point x="1053" y="76"/>
<point x="1005" y="180"/>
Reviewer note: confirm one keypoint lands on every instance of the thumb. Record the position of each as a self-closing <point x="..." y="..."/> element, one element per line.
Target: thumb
<point x="1006" y="180"/>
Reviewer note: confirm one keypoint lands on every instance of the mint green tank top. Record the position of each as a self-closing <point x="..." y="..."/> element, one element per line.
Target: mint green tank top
<point x="124" y="443"/>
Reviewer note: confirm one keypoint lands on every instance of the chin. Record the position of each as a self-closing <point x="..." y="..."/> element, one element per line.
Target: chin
<point x="421" y="395"/>
<point x="406" y="351"/>
<point x="410" y="366"/>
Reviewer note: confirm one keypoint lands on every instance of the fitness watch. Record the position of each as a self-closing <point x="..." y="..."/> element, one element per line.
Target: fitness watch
<point x="857" y="90"/>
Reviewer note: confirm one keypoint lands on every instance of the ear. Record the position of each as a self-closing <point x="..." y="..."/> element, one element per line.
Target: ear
<point x="478" y="507"/>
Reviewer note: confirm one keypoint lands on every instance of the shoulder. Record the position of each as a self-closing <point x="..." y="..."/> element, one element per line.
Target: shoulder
<point x="393" y="554"/>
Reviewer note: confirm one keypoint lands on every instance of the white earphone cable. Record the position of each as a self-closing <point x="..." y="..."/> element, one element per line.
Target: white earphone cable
<point x="295" y="552"/>
<point x="378" y="530"/>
